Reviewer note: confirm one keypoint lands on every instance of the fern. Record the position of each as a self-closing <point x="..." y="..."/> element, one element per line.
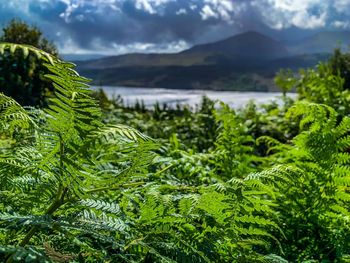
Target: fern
<point x="76" y="189"/>
<point x="314" y="189"/>
<point x="55" y="167"/>
<point x="234" y="146"/>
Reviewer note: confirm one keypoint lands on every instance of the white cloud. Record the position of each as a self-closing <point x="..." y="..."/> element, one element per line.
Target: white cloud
<point x="341" y="24"/>
<point x="181" y="11"/>
<point x="150" y="6"/>
<point x="193" y="7"/>
<point x="308" y="21"/>
<point x="145" y="5"/>
<point x="175" y="46"/>
<point x="221" y="9"/>
<point x="293" y="5"/>
<point x="342" y="6"/>
<point x="98" y="47"/>
<point x="305" y="14"/>
<point x="98" y="6"/>
<point x="207" y="12"/>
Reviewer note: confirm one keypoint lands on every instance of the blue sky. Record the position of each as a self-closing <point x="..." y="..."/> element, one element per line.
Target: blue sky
<point x="123" y="26"/>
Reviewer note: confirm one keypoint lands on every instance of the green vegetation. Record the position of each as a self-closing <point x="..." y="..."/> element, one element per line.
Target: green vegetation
<point x="91" y="180"/>
<point x="22" y="77"/>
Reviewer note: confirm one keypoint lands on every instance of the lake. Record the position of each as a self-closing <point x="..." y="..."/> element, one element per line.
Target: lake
<point x="172" y="97"/>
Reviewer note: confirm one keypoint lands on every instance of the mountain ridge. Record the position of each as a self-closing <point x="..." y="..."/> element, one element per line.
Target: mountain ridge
<point x="321" y="42"/>
<point x="247" y="44"/>
<point x="246" y="61"/>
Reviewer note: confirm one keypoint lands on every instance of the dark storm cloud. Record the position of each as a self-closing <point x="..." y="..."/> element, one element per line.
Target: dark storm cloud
<point x="151" y="25"/>
<point x="128" y="24"/>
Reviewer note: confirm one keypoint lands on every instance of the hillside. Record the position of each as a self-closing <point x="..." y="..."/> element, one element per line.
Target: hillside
<point x="247" y="61"/>
<point x="148" y="60"/>
<point x="247" y="46"/>
<point x="251" y="45"/>
<point x="323" y="42"/>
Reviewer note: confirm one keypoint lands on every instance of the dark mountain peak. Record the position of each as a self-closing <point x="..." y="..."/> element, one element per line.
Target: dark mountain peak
<point x="250" y="34"/>
<point x="249" y="44"/>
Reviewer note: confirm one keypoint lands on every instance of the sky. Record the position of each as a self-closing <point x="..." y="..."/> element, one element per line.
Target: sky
<point x="112" y="27"/>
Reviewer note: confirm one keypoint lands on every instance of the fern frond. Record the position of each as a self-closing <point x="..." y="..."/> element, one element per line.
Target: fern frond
<point x="116" y="132"/>
<point x="101" y="205"/>
<point x="28" y="254"/>
<point x="318" y="116"/>
<point x="102" y="222"/>
<point x="12" y="115"/>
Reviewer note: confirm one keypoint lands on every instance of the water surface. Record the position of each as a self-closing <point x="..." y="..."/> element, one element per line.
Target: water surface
<point x="172" y="97"/>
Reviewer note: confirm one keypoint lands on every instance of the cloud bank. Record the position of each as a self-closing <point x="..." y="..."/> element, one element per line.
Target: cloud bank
<point x="123" y="26"/>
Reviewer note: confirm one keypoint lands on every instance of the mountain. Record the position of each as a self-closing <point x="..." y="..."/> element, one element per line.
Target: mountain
<point x="323" y="42"/>
<point x="251" y="45"/>
<point x="147" y="60"/>
<point x="81" y="57"/>
<point x="246" y="46"/>
<point x="247" y="61"/>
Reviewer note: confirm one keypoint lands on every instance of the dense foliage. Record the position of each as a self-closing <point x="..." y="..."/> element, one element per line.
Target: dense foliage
<point x="22" y="77"/>
<point x="259" y="184"/>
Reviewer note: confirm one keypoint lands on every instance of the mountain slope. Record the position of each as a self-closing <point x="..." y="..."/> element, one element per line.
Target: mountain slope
<point x="147" y="60"/>
<point x="239" y="77"/>
<point x="323" y="42"/>
<point x="246" y="45"/>
<point x="247" y="61"/>
<point x="243" y="48"/>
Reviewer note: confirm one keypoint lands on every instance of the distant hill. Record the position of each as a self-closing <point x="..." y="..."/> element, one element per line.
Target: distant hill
<point x="81" y="57"/>
<point x="246" y="61"/>
<point x="247" y="45"/>
<point x="323" y="42"/>
<point x="147" y="60"/>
